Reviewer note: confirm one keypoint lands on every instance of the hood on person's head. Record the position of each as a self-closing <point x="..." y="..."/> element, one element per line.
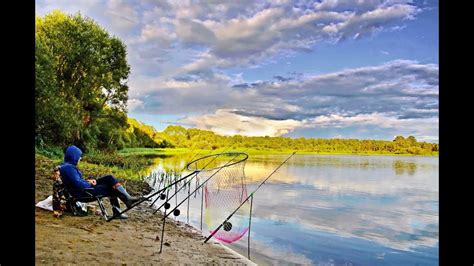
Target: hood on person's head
<point x="72" y="155"/>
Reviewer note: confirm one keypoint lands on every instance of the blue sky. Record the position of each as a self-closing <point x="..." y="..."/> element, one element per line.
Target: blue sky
<point x="331" y="69"/>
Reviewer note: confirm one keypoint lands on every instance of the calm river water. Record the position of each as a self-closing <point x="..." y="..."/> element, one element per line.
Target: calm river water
<point x="335" y="209"/>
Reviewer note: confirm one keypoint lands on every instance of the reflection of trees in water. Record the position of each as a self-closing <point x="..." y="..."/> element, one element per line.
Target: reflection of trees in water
<point x="178" y="162"/>
<point x="338" y="161"/>
<point x="335" y="161"/>
<point x="401" y="167"/>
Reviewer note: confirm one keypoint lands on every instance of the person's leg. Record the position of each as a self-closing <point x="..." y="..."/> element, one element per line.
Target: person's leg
<point x="108" y="180"/>
<point x="125" y="197"/>
<point x="119" y="190"/>
<point x="101" y="190"/>
<point x="116" y="207"/>
<point x="107" y="191"/>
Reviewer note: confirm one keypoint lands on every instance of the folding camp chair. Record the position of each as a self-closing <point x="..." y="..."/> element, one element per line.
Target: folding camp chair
<point x="71" y="202"/>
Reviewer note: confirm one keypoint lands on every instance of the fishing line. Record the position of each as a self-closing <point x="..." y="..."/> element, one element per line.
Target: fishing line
<point x="188" y="181"/>
<point x="203" y="183"/>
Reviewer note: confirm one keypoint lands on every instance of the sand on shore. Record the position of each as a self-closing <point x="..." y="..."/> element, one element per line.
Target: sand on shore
<point x="92" y="240"/>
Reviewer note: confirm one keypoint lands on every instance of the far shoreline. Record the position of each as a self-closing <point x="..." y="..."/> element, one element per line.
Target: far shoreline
<point x="176" y="151"/>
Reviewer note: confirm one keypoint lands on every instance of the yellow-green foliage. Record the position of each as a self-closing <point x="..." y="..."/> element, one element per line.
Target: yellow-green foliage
<point x="80" y="83"/>
<point x="142" y="135"/>
<point x="196" y="139"/>
<point x="203" y="139"/>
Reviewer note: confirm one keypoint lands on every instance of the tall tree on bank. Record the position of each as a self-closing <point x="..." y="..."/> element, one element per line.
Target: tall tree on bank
<point x="81" y="75"/>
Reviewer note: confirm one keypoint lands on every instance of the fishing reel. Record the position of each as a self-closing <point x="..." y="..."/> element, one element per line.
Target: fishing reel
<point x="176" y="212"/>
<point x="227" y="226"/>
<point x="162" y="196"/>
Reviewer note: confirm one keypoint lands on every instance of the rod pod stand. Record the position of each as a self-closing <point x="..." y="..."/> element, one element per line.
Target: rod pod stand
<point x="161" y="190"/>
<point x="150" y="196"/>
<point x="186" y="182"/>
<point x="205" y="181"/>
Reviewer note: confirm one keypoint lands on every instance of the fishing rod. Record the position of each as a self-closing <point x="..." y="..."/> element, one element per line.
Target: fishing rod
<point x="164" y="222"/>
<point x="188" y="181"/>
<point x="162" y="196"/>
<point x="203" y="183"/>
<point x="184" y="168"/>
<point x="176" y="211"/>
<point x="162" y="179"/>
<point x="150" y="196"/>
<point x="163" y="229"/>
<point x="155" y="193"/>
<point x="226" y="224"/>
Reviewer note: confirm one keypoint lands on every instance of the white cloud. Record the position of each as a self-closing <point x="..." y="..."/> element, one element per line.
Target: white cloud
<point x="177" y="51"/>
<point x="122" y="15"/>
<point x="375" y="20"/>
<point x="267" y="32"/>
<point x="243" y="33"/>
<point x="133" y="104"/>
<point x="424" y="129"/>
<point x="194" y="32"/>
<point x="150" y="33"/>
<point x="116" y="16"/>
<point x="44" y="7"/>
<point x="399" y="95"/>
<point x="224" y="122"/>
<point x="249" y="33"/>
<point x="405" y="88"/>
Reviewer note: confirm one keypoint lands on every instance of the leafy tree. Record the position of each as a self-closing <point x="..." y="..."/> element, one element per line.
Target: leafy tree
<point x="399" y="139"/>
<point x="56" y="115"/>
<point x="81" y="71"/>
<point x="411" y="140"/>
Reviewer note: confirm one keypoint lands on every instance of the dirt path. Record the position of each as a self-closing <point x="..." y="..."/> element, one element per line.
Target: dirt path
<point x="91" y="240"/>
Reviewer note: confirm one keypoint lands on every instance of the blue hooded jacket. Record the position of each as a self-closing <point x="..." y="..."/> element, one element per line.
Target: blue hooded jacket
<point x="70" y="175"/>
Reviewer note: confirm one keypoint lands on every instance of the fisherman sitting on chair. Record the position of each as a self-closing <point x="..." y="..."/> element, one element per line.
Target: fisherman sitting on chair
<point x="106" y="186"/>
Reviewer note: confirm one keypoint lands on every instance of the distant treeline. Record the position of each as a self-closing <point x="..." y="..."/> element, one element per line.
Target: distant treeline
<point x="180" y="137"/>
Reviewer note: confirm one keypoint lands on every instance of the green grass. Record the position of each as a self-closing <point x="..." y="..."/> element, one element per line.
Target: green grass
<point x="132" y="161"/>
<point x="46" y="165"/>
<point x="174" y="151"/>
<point x="50" y="152"/>
<point x="95" y="164"/>
<point x="152" y="151"/>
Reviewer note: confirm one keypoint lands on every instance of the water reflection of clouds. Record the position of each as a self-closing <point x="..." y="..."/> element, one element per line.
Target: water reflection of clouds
<point x="268" y="254"/>
<point x="390" y="200"/>
<point x="340" y="179"/>
<point x="380" y="218"/>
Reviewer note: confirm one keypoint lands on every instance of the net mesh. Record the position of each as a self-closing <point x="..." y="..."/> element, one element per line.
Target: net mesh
<point x="223" y="193"/>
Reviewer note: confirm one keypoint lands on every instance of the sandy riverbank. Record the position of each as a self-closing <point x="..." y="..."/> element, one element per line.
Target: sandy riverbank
<point x="91" y="240"/>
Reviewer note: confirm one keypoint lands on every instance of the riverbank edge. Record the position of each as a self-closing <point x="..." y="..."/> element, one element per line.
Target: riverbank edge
<point x="176" y="151"/>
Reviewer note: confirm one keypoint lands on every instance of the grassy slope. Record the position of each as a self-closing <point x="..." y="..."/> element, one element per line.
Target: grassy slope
<point x="44" y="165"/>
